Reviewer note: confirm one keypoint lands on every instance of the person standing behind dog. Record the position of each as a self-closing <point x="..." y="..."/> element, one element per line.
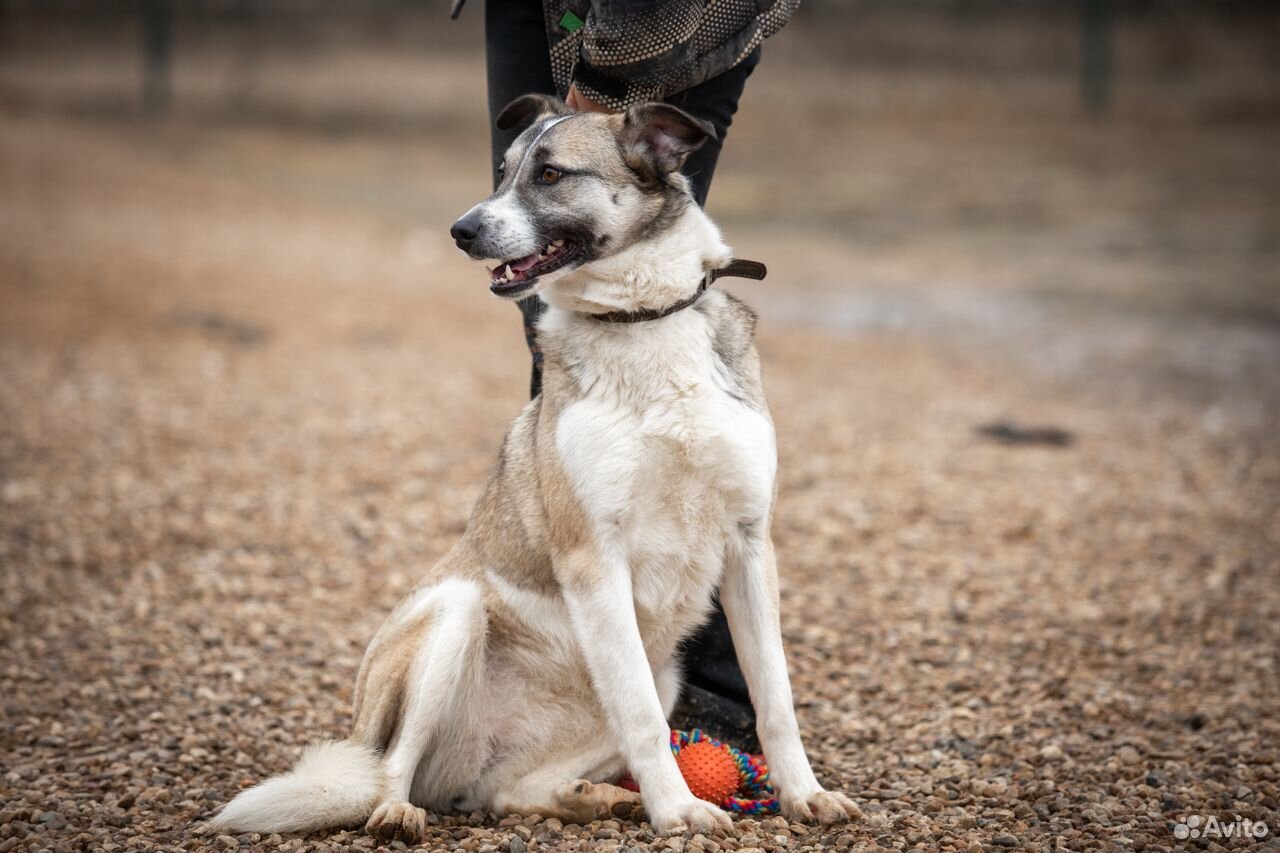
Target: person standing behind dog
<point x="605" y="56"/>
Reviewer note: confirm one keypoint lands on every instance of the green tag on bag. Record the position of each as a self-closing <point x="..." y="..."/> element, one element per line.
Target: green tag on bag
<point x="570" y="21"/>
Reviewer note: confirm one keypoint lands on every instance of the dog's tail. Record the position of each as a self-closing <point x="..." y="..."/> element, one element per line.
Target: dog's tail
<point x="335" y="783"/>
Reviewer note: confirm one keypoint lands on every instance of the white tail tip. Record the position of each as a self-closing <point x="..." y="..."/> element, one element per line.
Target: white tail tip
<point x="335" y="783"/>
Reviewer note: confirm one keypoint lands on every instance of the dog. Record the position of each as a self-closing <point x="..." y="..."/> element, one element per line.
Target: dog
<point x="538" y="660"/>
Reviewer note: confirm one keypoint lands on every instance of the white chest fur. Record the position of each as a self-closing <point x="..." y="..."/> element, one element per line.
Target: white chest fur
<point x="665" y="461"/>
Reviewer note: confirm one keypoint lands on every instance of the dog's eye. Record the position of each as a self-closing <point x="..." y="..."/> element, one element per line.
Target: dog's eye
<point x="550" y="174"/>
<point x="502" y="169"/>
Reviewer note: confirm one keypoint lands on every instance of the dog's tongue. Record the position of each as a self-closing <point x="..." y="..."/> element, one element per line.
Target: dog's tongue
<point x="525" y="262"/>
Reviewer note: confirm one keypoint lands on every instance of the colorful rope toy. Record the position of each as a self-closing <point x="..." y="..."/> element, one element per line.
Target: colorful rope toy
<point x="753" y="795"/>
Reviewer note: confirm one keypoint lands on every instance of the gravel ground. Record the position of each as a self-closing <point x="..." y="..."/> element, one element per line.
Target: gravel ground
<point x="244" y="402"/>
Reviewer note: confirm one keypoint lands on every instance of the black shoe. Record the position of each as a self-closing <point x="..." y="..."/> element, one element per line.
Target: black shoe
<point x="725" y="719"/>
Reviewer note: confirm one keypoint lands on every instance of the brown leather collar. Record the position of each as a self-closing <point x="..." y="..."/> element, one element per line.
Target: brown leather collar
<point x="736" y="267"/>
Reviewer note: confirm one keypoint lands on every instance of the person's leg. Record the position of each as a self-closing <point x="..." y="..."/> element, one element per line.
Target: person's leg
<point x="715" y="694"/>
<point x="518" y="62"/>
<point x="715" y="100"/>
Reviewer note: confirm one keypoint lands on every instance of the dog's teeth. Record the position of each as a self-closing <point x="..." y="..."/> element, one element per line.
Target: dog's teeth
<point x="558" y="243"/>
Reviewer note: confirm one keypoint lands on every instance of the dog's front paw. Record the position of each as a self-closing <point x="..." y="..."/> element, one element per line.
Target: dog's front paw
<point x="824" y="806"/>
<point x="397" y="821"/>
<point x="691" y="815"/>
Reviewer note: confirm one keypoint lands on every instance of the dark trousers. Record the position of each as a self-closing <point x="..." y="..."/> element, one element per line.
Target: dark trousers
<point x="519" y="63"/>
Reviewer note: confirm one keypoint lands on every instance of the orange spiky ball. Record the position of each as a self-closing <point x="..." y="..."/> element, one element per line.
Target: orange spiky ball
<point x="710" y="771"/>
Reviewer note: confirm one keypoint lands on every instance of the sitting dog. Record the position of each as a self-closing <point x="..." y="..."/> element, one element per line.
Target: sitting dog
<point x="538" y="660"/>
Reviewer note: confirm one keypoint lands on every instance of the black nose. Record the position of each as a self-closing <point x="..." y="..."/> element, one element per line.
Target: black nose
<point x="465" y="231"/>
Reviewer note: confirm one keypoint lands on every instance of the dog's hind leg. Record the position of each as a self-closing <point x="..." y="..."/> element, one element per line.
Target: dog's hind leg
<point x="581" y="801"/>
<point x="556" y="790"/>
<point x="419" y="673"/>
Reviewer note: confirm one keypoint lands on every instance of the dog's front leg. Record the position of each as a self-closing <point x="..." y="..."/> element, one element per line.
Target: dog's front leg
<point x="749" y="594"/>
<point x="597" y="587"/>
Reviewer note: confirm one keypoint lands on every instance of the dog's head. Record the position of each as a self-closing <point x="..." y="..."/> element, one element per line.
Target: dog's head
<point x="577" y="188"/>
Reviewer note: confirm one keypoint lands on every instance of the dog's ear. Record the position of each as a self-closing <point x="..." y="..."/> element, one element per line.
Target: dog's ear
<point x="527" y="109"/>
<point x="662" y="136"/>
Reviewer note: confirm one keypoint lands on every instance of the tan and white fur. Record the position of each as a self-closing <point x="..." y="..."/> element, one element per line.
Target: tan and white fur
<point x="538" y="660"/>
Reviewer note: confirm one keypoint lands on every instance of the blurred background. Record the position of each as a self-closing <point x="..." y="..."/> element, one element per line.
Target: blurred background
<point x="1021" y="336"/>
<point x="1096" y="176"/>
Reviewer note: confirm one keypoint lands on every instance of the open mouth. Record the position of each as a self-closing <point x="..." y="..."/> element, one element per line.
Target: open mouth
<point x="514" y="276"/>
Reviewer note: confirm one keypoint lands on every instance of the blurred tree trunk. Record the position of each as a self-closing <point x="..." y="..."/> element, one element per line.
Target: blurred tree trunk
<point x="157" y="53"/>
<point x="1095" y="55"/>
